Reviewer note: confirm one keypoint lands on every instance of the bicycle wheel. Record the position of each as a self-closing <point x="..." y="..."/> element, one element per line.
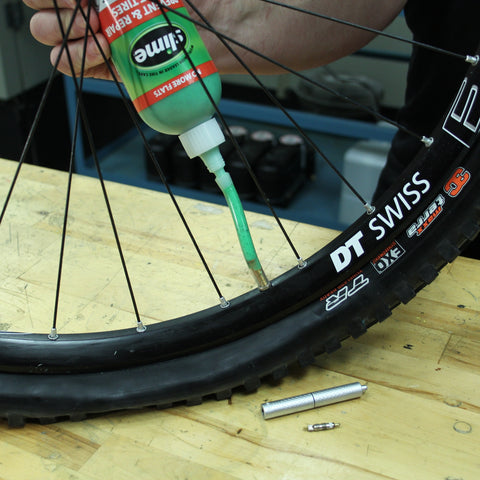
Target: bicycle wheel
<point x="380" y="261"/>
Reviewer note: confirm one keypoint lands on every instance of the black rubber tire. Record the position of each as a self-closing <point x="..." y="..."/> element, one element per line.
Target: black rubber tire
<point x="305" y="313"/>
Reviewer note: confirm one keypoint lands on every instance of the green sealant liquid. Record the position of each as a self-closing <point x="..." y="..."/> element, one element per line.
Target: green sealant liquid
<point x="227" y="187"/>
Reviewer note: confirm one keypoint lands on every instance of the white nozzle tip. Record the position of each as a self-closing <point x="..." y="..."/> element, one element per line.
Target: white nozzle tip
<point x="202" y="138"/>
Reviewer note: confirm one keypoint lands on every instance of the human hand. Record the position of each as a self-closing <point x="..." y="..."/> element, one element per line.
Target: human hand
<point x="227" y="16"/>
<point x="45" y="28"/>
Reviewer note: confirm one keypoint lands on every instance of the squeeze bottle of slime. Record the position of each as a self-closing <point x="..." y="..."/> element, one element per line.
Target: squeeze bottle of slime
<point x="153" y="50"/>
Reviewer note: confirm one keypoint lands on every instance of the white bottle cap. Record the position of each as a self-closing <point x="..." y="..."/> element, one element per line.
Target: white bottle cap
<point x="202" y="138"/>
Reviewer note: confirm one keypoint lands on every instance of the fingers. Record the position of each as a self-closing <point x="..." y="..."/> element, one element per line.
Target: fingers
<point x="45" y="27"/>
<point x="94" y="63"/>
<point x="44" y="4"/>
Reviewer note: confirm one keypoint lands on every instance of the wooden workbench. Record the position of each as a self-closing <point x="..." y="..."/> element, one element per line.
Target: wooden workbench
<point x="419" y="419"/>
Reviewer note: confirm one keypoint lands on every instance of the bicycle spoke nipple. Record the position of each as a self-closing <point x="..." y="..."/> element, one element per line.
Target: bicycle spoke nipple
<point x="53" y="335"/>
<point x="224" y="303"/>
<point x="472" y="59"/>
<point x="428" y="141"/>
<point x="141" y="327"/>
<point x="301" y="263"/>
<point x="369" y="208"/>
<point x="318" y="427"/>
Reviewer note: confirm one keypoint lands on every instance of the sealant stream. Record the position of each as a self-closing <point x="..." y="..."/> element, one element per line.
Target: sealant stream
<point x="214" y="162"/>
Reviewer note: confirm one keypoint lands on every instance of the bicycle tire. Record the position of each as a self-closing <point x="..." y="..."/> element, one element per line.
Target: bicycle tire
<point x="305" y="313"/>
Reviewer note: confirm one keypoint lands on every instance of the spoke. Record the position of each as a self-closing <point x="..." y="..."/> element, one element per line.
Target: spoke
<point x="32" y="131"/>
<point x="427" y="141"/>
<point x="246" y="163"/>
<point x="80" y="112"/>
<point x="300" y="130"/>
<point x="230" y="194"/>
<point x="422" y="138"/>
<point x="152" y="157"/>
<point x="53" y="334"/>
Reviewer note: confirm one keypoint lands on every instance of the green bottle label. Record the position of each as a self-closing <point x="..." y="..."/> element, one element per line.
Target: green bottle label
<point x="149" y="50"/>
